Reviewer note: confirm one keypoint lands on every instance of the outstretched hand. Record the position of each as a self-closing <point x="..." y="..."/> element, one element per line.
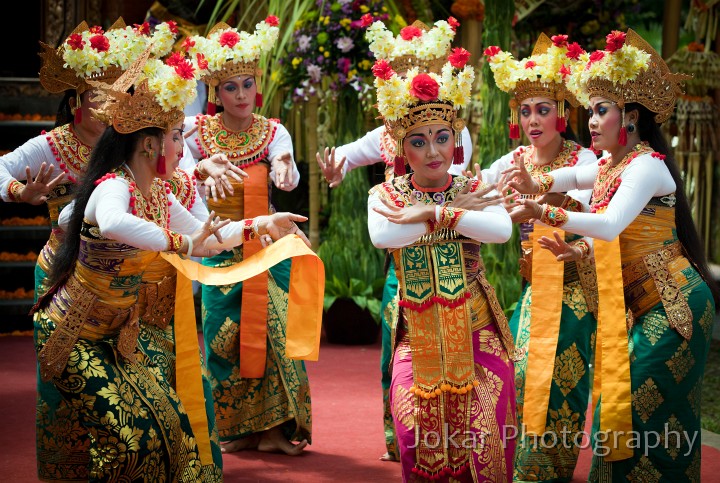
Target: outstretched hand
<point x="282" y="166"/>
<point x="332" y="171"/>
<point x="219" y="170"/>
<point x="563" y="251"/>
<point x="279" y="225"/>
<point x="525" y="210"/>
<point x="210" y="227"/>
<point x="417" y="213"/>
<point x="476" y="200"/>
<point x="36" y="190"/>
<point x="518" y="177"/>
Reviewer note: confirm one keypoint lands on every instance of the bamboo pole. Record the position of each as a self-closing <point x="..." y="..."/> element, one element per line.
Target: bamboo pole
<point x="671" y="27"/>
<point x="311" y="119"/>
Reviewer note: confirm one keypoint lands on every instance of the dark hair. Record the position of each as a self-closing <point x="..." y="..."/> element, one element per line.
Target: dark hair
<point x="650" y="132"/>
<point x="110" y="152"/>
<point x="64" y="115"/>
<point x="569" y="134"/>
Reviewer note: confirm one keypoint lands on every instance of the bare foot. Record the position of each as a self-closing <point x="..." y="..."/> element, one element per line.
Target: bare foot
<point x="273" y="441"/>
<point x="387" y="457"/>
<point x="248" y="442"/>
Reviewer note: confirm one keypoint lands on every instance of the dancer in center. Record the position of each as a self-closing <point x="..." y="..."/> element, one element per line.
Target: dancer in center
<point x="452" y="390"/>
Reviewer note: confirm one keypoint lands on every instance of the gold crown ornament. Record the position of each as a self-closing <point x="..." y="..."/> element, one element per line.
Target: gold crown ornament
<point x="92" y="54"/>
<point x="628" y="71"/>
<point x="416" y="46"/>
<point x="227" y="52"/>
<point x="161" y="93"/>
<point x="543" y="74"/>
<point x="420" y="98"/>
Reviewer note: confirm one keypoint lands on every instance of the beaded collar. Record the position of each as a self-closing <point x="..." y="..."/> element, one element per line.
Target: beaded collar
<point x="155" y="208"/>
<point x="71" y="154"/>
<point x="243" y="148"/>
<point x="401" y="191"/>
<point x="568" y="156"/>
<point x="608" y="178"/>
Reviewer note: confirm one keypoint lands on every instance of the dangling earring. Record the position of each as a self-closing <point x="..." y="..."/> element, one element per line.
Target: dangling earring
<point x="160" y="165"/>
<point x="514" y="126"/>
<point x="77" y="111"/>
<point x="399" y="161"/>
<point x="560" y="122"/>
<point x="258" y="100"/>
<point x="212" y="101"/>
<point x="459" y="152"/>
<point x="622" y="138"/>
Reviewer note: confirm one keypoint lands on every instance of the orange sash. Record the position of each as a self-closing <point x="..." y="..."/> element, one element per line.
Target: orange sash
<point x="545" y="314"/>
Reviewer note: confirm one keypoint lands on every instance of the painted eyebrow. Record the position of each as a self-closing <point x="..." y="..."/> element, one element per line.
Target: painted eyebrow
<point x="538" y="103"/>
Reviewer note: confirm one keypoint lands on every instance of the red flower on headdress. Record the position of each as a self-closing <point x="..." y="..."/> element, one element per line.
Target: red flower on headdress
<point x="143" y="29"/>
<point x="530" y="64"/>
<point x="96" y="29"/>
<point x="574" y="51"/>
<point x="229" y="39"/>
<point x="175" y="58"/>
<point x="188" y="43"/>
<point x="185" y="69"/>
<point x="453" y="23"/>
<point x="559" y="40"/>
<point x="596" y="56"/>
<point x="492" y="51"/>
<point x="366" y="20"/>
<point x="614" y="40"/>
<point x="173" y="26"/>
<point x="272" y="20"/>
<point x="382" y="69"/>
<point x="564" y="71"/>
<point x="424" y="87"/>
<point x="410" y="32"/>
<point x="459" y="57"/>
<point x="201" y="62"/>
<point x="76" y="42"/>
<point x="100" y="43"/>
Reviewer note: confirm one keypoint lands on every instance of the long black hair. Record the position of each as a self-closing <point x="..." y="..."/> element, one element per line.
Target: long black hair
<point x="650" y="132"/>
<point x="64" y="114"/>
<point x="110" y="152"/>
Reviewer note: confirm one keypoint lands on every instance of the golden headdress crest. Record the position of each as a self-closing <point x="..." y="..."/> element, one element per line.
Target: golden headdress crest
<point x="161" y="93"/>
<point x="420" y="98"/>
<point x="543" y="74"/>
<point x="628" y="71"/>
<point x="91" y="54"/>
<point x="226" y="52"/>
<point x="417" y="45"/>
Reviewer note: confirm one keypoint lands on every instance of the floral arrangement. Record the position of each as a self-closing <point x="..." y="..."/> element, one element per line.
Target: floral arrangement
<point x="226" y="45"/>
<point x="425" y="45"/>
<point x="618" y="63"/>
<point x="92" y="51"/>
<point x="551" y="66"/>
<point x="396" y="94"/>
<point x="329" y="44"/>
<point x="174" y="82"/>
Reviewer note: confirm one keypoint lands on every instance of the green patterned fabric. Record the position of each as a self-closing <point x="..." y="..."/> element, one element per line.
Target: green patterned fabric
<point x="137" y="427"/>
<point x="553" y="458"/>
<point x="666" y="373"/>
<point x="159" y="346"/>
<point x="244" y="406"/>
<point x="388" y="318"/>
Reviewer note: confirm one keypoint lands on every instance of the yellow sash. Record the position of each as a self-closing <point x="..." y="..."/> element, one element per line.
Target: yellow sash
<point x="612" y="362"/>
<point x="545" y="314"/>
<point x="305" y="304"/>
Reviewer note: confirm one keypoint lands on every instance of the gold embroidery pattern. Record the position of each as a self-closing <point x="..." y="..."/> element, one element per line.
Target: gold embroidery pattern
<point x="646" y="399"/>
<point x="225" y="343"/>
<point x="654" y="326"/>
<point x="574" y="298"/>
<point x="490" y="455"/>
<point x="676" y="305"/>
<point x="671" y="440"/>
<point x="73" y="153"/>
<point x="694" y="397"/>
<point x="242" y="147"/>
<point x="644" y="472"/>
<point x="693" y="470"/>
<point x="707" y="320"/>
<point x="404" y="406"/>
<point x="681" y="362"/>
<point x="569" y="369"/>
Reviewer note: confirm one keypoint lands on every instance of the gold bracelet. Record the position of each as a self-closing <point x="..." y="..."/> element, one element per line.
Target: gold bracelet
<point x="545" y="182"/>
<point x="553" y="216"/>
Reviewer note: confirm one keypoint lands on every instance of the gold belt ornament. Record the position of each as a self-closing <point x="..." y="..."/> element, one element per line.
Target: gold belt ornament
<point x="156" y="301"/>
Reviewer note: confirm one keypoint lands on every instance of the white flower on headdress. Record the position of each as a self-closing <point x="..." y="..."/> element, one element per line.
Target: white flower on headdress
<point x="172" y="91"/>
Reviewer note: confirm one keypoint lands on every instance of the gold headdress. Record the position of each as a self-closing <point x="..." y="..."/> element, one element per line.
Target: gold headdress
<point x="417" y="45"/>
<point x="161" y="93"/>
<point x="91" y="54"/>
<point x="227" y="52"/>
<point x="543" y="74"/>
<point x="628" y="71"/>
<point x="419" y="98"/>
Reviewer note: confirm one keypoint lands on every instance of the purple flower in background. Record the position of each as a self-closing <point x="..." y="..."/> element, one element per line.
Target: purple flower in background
<point x="345" y="44"/>
<point x="320" y="59"/>
<point x="303" y="43"/>
<point x="315" y="73"/>
<point x="343" y="64"/>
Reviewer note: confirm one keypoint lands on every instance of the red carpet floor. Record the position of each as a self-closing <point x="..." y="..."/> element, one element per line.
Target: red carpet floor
<point x="347" y="424"/>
